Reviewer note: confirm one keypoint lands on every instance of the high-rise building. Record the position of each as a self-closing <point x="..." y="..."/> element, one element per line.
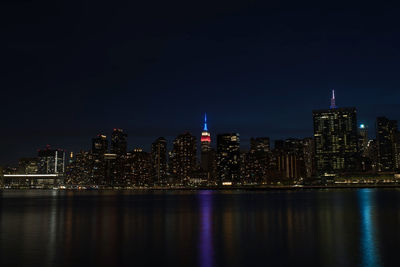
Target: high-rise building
<point x="99" y="148"/>
<point x="260" y="144"/>
<point x="99" y="144"/>
<point x="51" y="161"/>
<point x="290" y="166"/>
<point x="205" y="137"/>
<point x="183" y="157"/>
<point x="309" y="157"/>
<point x="118" y="142"/>
<point x="386" y="137"/>
<point x="336" y="139"/>
<point x="363" y="139"/>
<point x="207" y="162"/>
<point x="159" y="160"/>
<point x="80" y="171"/>
<point x="138" y="168"/>
<point x="256" y="162"/>
<point x="228" y="158"/>
<point x="289" y="160"/>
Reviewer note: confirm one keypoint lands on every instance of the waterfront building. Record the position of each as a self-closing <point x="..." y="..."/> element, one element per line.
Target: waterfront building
<point x="207" y="160"/>
<point x="228" y="158"/>
<point x="183" y="158"/>
<point x="336" y="139"/>
<point x="99" y="148"/>
<point x="99" y="144"/>
<point x="387" y="144"/>
<point x="309" y="157"/>
<point x="159" y="160"/>
<point x="118" y="142"/>
<point x="138" y="168"/>
<point x="80" y="171"/>
<point x="256" y="162"/>
<point x="363" y="139"/>
<point x="28" y="166"/>
<point x="51" y="161"/>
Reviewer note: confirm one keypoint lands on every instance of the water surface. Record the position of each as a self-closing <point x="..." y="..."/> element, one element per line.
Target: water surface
<point x="200" y="228"/>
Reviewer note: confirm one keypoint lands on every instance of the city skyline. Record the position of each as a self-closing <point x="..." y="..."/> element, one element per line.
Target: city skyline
<point x="244" y="144"/>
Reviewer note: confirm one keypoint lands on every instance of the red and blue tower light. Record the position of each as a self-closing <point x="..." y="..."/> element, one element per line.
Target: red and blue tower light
<point x="205" y="135"/>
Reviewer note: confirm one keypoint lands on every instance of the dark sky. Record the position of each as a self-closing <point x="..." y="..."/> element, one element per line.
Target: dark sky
<point x="70" y="70"/>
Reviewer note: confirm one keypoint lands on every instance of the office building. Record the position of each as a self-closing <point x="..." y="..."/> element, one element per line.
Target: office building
<point x="228" y="158"/>
<point x="183" y="158"/>
<point x="159" y="161"/>
<point x="336" y="139"/>
<point x="51" y="161"/>
<point x="387" y="147"/>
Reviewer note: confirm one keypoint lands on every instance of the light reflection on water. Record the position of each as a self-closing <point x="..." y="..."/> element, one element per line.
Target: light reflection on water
<point x="200" y="228"/>
<point x="206" y="257"/>
<point x="369" y="252"/>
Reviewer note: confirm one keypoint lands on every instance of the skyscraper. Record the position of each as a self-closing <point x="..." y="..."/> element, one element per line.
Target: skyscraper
<point x="118" y="142"/>
<point x="51" y="161"/>
<point x="207" y="162"/>
<point x="228" y="158"/>
<point x="309" y="156"/>
<point x="363" y="139"/>
<point x="99" y="144"/>
<point x="289" y="160"/>
<point x="159" y="160"/>
<point x="138" y="168"/>
<point x="336" y="139"/>
<point x="183" y="160"/>
<point x="256" y="162"/>
<point x="99" y="148"/>
<point x="386" y="137"/>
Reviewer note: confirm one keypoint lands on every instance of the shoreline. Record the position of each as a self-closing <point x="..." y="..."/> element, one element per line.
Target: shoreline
<point x="220" y="188"/>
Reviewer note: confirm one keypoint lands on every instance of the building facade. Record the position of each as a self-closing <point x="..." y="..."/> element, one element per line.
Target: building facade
<point x="51" y="161"/>
<point x="336" y="140"/>
<point x="183" y="158"/>
<point x="159" y="161"/>
<point x="228" y="158"/>
<point x="387" y="144"/>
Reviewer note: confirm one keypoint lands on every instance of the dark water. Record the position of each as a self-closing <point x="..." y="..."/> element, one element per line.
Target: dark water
<point x="200" y="228"/>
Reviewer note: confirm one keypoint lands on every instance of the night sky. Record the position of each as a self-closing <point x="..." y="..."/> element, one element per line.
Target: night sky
<point x="70" y="70"/>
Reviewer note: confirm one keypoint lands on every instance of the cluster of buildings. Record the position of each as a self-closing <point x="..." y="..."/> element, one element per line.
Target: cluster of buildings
<point x="339" y="152"/>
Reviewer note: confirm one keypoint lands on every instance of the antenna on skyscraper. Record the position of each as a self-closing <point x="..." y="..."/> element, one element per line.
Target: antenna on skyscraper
<point x="333" y="103"/>
<point x="205" y="128"/>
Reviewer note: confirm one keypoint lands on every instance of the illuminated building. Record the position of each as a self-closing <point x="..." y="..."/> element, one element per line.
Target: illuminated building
<point x="119" y="148"/>
<point x="289" y="159"/>
<point x="228" y="158"/>
<point x="118" y="142"/>
<point x="28" y="166"/>
<point x="363" y="139"/>
<point x="336" y="139"/>
<point x="207" y="162"/>
<point x="111" y="166"/>
<point x="205" y="137"/>
<point x="138" y="168"/>
<point x="387" y="144"/>
<point x="80" y="171"/>
<point x="256" y="163"/>
<point x="159" y="160"/>
<point x="289" y="166"/>
<point x="183" y="157"/>
<point x="99" y="148"/>
<point x="99" y="144"/>
<point x="51" y="161"/>
<point x="309" y="157"/>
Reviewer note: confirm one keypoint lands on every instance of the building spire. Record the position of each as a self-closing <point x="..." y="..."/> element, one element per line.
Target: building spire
<point x="333" y="103"/>
<point x="205" y="128"/>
